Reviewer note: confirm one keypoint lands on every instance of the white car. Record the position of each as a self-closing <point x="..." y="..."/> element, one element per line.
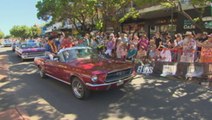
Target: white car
<point x="6" y="43"/>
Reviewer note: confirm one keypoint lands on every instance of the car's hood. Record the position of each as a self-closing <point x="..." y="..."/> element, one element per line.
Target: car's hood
<point x="33" y="50"/>
<point x="100" y="65"/>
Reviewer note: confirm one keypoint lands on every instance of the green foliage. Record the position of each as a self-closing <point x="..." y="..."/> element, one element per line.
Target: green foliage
<point x="1" y="35"/>
<point x="23" y="31"/>
<point x="95" y="14"/>
<point x="131" y="14"/>
<point x="99" y="25"/>
<point x="78" y="11"/>
<point x="197" y="19"/>
<point x="87" y="13"/>
<point x="7" y="36"/>
<point x="34" y="31"/>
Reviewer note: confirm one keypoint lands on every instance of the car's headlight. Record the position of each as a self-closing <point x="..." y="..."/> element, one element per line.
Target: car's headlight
<point x="94" y="78"/>
<point x="25" y="54"/>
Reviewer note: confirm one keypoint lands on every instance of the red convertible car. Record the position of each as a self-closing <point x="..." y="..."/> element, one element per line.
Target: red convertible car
<point x="85" y="70"/>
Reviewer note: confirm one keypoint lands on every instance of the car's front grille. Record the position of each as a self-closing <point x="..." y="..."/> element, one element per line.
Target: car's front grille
<point x="35" y="54"/>
<point x="115" y="76"/>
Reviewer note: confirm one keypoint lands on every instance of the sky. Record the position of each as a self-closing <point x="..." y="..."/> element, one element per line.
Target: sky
<point x="17" y="12"/>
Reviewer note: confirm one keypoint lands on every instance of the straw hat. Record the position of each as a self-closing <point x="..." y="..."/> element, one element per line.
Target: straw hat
<point x="188" y="33"/>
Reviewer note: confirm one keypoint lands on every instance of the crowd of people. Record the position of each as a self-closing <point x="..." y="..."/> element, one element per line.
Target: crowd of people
<point x="187" y="47"/>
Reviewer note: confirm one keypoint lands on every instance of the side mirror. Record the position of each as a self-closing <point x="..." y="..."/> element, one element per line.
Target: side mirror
<point x="56" y="59"/>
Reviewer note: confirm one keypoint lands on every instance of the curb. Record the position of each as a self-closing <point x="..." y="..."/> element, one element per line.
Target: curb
<point x="22" y="113"/>
<point x="16" y="113"/>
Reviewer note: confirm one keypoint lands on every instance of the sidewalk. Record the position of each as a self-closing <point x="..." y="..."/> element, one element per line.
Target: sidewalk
<point x="3" y="67"/>
<point x="16" y="113"/>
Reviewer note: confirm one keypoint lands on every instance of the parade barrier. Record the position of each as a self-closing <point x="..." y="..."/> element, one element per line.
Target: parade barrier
<point x="201" y="69"/>
<point x="187" y="70"/>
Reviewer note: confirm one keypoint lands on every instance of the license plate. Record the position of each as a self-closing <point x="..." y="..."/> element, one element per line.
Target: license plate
<point x="120" y="82"/>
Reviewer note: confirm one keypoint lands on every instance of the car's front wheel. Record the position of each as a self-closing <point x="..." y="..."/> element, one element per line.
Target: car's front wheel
<point x="79" y="89"/>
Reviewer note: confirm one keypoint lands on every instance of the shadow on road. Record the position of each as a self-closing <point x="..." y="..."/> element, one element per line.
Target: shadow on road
<point x="145" y="98"/>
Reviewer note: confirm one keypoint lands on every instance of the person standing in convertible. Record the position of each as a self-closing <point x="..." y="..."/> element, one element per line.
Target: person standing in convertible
<point x="51" y="48"/>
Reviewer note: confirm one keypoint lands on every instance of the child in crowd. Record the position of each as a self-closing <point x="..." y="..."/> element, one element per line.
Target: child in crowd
<point x="132" y="52"/>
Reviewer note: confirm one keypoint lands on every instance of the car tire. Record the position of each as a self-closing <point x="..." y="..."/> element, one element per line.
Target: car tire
<point x="42" y="73"/>
<point x="79" y="89"/>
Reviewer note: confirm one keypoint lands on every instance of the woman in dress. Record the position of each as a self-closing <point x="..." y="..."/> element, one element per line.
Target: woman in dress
<point x="206" y="51"/>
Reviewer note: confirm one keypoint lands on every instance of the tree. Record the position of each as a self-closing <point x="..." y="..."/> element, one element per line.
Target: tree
<point x="34" y="31"/>
<point x="20" y="31"/>
<point x="83" y="14"/>
<point x="112" y="11"/>
<point x="1" y="35"/>
<point x="198" y="5"/>
<point x="7" y="36"/>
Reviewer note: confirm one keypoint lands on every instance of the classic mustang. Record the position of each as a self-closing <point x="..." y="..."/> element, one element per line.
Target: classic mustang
<point x="29" y="50"/>
<point x="85" y="70"/>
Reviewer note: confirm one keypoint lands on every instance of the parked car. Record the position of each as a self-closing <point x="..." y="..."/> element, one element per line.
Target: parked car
<point x="85" y="70"/>
<point x="6" y="43"/>
<point x="29" y="50"/>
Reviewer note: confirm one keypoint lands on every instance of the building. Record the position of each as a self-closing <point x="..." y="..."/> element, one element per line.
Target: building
<point x="156" y="18"/>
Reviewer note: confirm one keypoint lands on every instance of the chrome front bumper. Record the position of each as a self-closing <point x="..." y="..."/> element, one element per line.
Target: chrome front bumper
<point x="111" y="83"/>
<point x="30" y="57"/>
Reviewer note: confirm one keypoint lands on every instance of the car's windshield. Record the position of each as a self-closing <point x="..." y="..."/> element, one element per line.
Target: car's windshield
<point x="78" y="53"/>
<point x="7" y="41"/>
<point x="30" y="45"/>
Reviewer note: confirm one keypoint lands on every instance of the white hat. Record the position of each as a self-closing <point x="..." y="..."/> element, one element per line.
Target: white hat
<point x="111" y="34"/>
<point x="188" y="33"/>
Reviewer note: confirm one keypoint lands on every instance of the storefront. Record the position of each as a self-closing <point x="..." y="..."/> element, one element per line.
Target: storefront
<point x="162" y="25"/>
<point x="151" y="26"/>
<point x="163" y="20"/>
<point x="167" y="21"/>
<point x="185" y="24"/>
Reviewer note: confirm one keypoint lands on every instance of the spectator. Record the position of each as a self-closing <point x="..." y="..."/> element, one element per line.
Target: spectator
<point x="189" y="48"/>
<point x="158" y="39"/>
<point x="132" y="52"/>
<point x="178" y="46"/>
<point x="206" y="52"/>
<point x="94" y="43"/>
<point x="152" y="51"/>
<point x="142" y="53"/>
<point x="86" y="40"/>
<point x="51" y="48"/>
<point x="204" y="37"/>
<point x="124" y="38"/>
<point x="143" y="42"/>
<point x="119" y="47"/>
<point x="165" y="54"/>
<point x="135" y="40"/>
<point x="110" y="45"/>
<point x="65" y="41"/>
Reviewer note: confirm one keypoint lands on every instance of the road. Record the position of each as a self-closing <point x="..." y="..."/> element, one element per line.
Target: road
<point x="145" y="97"/>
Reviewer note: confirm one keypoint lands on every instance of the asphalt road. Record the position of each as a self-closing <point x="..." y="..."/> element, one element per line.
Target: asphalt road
<point x="145" y="97"/>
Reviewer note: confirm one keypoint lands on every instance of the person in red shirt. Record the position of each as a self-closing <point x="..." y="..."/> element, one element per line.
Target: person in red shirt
<point x="66" y="41"/>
